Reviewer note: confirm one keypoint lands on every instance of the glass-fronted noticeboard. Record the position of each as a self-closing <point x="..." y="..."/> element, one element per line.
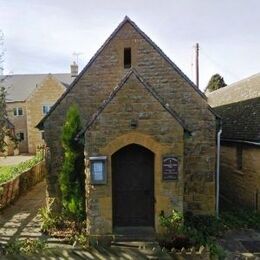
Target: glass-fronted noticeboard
<point x="98" y="169"/>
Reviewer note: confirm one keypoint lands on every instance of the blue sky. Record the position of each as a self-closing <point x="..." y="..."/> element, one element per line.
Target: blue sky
<point x="41" y="36"/>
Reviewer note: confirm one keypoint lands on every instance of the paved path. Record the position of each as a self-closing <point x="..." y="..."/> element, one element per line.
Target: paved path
<point x="242" y="243"/>
<point x="21" y="220"/>
<point x="12" y="160"/>
<point x="99" y="253"/>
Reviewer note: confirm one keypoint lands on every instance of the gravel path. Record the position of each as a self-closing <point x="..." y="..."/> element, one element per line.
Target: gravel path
<point x="12" y="160"/>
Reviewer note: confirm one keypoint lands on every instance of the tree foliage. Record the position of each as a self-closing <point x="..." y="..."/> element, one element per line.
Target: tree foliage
<point x="215" y="82"/>
<point x="72" y="179"/>
<point x="4" y="131"/>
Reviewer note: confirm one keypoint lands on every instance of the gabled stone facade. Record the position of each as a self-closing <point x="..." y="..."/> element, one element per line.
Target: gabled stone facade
<point x="171" y="117"/>
<point x="46" y="94"/>
<point x="26" y="96"/>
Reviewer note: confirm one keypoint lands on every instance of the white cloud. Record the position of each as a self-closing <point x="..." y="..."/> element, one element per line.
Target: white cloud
<point x="42" y="35"/>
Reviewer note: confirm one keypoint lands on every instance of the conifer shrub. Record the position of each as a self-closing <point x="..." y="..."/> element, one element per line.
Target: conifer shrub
<point x="71" y="178"/>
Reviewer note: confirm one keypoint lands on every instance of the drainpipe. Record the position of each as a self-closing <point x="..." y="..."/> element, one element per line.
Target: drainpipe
<point x="218" y="171"/>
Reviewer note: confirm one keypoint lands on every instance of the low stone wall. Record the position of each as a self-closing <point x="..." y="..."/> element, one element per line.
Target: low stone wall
<point x="11" y="190"/>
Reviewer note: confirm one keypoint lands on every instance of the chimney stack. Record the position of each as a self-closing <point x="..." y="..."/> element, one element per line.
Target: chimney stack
<point x="74" y="69"/>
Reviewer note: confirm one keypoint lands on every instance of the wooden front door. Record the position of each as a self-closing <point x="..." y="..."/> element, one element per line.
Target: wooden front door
<point x="133" y="187"/>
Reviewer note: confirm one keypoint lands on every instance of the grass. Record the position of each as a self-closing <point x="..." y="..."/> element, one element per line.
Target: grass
<point x="7" y="173"/>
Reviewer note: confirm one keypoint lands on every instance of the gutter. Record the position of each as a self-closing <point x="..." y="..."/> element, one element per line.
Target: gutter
<point x="218" y="170"/>
<point x="240" y="141"/>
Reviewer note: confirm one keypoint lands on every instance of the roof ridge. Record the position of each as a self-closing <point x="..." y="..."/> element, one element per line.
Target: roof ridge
<point x="35" y="74"/>
<point x="234" y="84"/>
<point x="115" y="91"/>
<point x="238" y="101"/>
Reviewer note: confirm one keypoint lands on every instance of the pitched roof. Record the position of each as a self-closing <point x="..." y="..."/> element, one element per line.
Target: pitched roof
<point x="9" y="124"/>
<point x="126" y="20"/>
<point x="115" y="91"/>
<point x="244" y="89"/>
<point x="20" y="86"/>
<point x="241" y="120"/>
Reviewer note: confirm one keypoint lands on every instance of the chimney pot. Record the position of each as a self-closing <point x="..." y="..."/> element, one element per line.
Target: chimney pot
<point x="74" y="69"/>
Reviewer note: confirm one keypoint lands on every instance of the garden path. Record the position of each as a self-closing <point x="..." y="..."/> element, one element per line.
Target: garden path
<point x="12" y="160"/>
<point x="21" y="220"/>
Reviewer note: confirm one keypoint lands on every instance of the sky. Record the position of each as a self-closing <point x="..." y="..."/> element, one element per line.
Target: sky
<point x="40" y="36"/>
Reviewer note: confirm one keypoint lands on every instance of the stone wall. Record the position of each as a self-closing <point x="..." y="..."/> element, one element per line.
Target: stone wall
<point x="240" y="186"/>
<point x="156" y="130"/>
<point x="11" y="190"/>
<point x="19" y="123"/>
<point x="46" y="93"/>
<point x="100" y="79"/>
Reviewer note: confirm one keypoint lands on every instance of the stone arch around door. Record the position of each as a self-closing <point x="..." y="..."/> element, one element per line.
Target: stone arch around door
<point x="166" y="194"/>
<point x="133" y="187"/>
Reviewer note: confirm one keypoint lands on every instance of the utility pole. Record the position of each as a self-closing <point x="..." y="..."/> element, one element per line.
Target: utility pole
<point x="197" y="64"/>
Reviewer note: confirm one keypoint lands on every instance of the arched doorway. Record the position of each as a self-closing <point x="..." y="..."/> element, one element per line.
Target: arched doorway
<point x="133" y="187"/>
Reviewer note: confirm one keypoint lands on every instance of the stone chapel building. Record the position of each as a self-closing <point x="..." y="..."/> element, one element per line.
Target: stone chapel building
<point x="149" y="133"/>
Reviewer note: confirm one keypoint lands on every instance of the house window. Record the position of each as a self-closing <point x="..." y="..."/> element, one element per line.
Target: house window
<point x="18" y="111"/>
<point x="239" y="155"/>
<point x="127" y="58"/>
<point x="20" y="136"/>
<point x="46" y="109"/>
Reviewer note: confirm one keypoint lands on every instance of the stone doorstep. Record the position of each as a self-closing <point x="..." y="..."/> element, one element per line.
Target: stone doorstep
<point x="136" y="244"/>
<point x="124" y="234"/>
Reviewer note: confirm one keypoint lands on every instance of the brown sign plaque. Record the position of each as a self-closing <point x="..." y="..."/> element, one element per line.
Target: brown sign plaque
<point x="170" y="168"/>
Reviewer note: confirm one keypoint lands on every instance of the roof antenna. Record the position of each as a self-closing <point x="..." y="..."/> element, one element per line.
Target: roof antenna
<point x="76" y="55"/>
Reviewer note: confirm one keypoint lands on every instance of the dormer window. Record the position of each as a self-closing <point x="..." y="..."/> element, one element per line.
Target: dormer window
<point x="127" y="58"/>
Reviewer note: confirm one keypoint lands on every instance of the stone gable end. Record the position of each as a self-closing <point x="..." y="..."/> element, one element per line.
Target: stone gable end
<point x="102" y="75"/>
<point x="133" y="102"/>
<point x="46" y="93"/>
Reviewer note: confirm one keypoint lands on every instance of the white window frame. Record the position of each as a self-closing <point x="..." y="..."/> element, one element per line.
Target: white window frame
<point x="16" y="111"/>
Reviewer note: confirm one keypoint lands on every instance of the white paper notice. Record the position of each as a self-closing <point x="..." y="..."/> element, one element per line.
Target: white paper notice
<point x="98" y="171"/>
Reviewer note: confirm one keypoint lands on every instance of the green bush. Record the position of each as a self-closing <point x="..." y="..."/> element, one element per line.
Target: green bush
<point x="188" y="230"/>
<point x="206" y="225"/>
<point x="25" y="247"/>
<point x="48" y="220"/>
<point x="72" y="178"/>
<point x="172" y="223"/>
<point x="241" y="218"/>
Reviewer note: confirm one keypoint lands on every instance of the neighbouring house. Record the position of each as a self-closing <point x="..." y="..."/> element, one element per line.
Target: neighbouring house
<point x="149" y="134"/>
<point x="239" y="107"/>
<point x="29" y="98"/>
<point x="9" y="139"/>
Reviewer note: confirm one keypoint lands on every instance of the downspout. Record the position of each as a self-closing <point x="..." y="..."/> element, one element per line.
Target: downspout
<point x="218" y="170"/>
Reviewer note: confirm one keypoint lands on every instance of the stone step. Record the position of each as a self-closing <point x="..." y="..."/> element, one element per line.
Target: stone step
<point x="135" y="244"/>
